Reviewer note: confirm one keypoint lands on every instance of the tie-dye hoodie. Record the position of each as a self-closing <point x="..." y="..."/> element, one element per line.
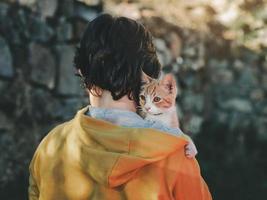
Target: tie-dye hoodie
<point x="87" y="158"/>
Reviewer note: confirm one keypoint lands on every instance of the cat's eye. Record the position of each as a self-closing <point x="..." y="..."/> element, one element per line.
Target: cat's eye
<point x="142" y="97"/>
<point x="156" y="99"/>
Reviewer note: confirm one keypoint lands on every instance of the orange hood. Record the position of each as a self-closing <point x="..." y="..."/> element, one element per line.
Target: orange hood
<point x="117" y="153"/>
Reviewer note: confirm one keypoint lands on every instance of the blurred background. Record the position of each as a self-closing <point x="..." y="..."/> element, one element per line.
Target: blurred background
<point x="217" y="49"/>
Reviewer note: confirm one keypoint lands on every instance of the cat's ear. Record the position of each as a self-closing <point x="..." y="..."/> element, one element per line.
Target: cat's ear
<point x="169" y="82"/>
<point x="146" y="78"/>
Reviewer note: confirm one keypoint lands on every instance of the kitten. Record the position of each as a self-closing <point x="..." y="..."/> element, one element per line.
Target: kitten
<point x="157" y="103"/>
<point x="157" y="99"/>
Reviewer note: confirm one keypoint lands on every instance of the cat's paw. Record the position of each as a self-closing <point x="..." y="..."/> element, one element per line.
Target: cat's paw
<point x="190" y="150"/>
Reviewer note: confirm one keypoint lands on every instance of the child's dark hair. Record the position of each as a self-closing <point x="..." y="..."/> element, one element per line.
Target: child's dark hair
<point x="112" y="54"/>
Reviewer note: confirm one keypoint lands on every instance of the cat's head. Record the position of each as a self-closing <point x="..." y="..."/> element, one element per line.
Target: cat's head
<point x="158" y="96"/>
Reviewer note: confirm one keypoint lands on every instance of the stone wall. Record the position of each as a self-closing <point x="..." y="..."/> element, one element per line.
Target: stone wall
<point x="37" y="83"/>
<point x="222" y="89"/>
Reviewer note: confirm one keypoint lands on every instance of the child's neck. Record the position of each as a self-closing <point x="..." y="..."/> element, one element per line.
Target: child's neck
<point x="106" y="101"/>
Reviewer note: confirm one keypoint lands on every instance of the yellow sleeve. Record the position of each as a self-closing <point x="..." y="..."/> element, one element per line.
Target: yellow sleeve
<point x="33" y="189"/>
<point x="190" y="185"/>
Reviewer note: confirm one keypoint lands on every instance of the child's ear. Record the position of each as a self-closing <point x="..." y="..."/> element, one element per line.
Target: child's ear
<point x="78" y="72"/>
<point x="146" y="78"/>
<point x="169" y="82"/>
<point x="95" y="91"/>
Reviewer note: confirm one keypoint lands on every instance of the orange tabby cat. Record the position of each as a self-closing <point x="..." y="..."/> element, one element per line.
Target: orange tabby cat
<point x="157" y="99"/>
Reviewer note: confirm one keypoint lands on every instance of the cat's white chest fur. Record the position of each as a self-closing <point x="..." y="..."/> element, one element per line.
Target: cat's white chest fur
<point x="165" y="118"/>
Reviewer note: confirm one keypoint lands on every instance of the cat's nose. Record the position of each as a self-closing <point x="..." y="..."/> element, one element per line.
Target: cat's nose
<point x="147" y="108"/>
